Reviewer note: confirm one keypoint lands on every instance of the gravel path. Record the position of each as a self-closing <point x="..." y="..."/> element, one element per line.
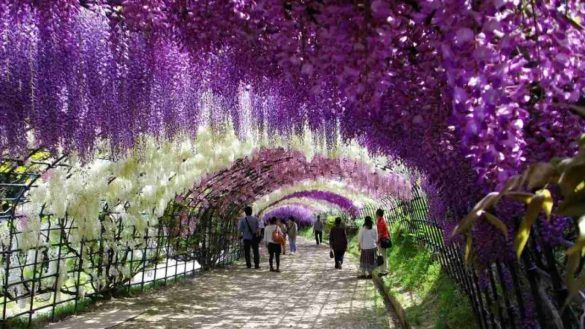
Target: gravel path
<point x="308" y="293"/>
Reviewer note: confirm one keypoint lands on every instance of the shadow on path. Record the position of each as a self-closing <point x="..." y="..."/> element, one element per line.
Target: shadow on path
<point x="308" y="293"/>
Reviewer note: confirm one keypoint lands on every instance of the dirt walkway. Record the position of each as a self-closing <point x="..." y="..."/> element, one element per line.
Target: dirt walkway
<point x="308" y="293"/>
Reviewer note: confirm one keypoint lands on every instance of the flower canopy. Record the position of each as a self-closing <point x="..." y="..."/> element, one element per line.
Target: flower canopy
<point x="303" y="215"/>
<point x="338" y="200"/>
<point x="465" y="93"/>
<point x="164" y="118"/>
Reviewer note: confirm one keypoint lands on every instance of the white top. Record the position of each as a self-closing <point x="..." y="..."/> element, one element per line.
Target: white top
<point x="368" y="238"/>
<point x="268" y="230"/>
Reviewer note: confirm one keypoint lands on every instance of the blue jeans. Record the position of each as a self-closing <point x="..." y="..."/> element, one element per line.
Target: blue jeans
<point x="293" y="243"/>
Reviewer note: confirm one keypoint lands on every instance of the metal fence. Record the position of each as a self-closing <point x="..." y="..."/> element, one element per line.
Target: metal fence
<point x="513" y="294"/>
<point x="60" y="271"/>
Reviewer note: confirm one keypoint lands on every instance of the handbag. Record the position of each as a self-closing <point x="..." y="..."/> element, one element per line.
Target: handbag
<point x="277" y="236"/>
<point x="331" y="255"/>
<point x="380" y="260"/>
<point x="385" y="243"/>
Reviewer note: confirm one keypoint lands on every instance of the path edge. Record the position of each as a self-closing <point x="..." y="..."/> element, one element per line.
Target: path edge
<point x="396" y="310"/>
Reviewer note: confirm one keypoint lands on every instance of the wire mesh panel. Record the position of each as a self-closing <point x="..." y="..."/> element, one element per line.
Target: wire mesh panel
<point x="50" y="262"/>
<point x="528" y="293"/>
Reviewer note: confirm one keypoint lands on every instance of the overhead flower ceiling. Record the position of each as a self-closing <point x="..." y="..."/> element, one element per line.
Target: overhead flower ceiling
<point x="339" y="201"/>
<point x="464" y="92"/>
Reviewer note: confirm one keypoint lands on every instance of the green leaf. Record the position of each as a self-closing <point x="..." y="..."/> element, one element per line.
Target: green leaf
<point x="540" y="174"/>
<point x="512" y="183"/>
<point x="468" y="249"/>
<point x="580" y="110"/>
<point x="525" y="226"/>
<point x="495" y="221"/>
<point x="547" y="202"/>
<point x="573" y="206"/>
<point x="572" y="177"/>
<point x="467" y="222"/>
<point x="577" y="248"/>
<point x="523" y="197"/>
<point x="572" y="209"/>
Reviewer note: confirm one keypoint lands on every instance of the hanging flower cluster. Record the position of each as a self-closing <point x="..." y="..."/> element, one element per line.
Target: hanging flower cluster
<point x="467" y="93"/>
<point x="270" y="169"/>
<point x="139" y="186"/>
<point x="350" y="192"/>
<point x="302" y="214"/>
<point x="340" y="201"/>
<point x="315" y="207"/>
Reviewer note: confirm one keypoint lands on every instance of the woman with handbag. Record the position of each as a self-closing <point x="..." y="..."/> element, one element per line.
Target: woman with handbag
<point x="282" y="225"/>
<point x="383" y="241"/>
<point x="273" y="237"/>
<point x="367" y="239"/>
<point x="338" y="242"/>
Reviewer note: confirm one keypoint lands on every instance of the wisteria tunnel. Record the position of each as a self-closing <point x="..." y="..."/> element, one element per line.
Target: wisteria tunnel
<point x="133" y="133"/>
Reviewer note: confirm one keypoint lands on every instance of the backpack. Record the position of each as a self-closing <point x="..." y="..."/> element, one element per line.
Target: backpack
<point x="277" y="236"/>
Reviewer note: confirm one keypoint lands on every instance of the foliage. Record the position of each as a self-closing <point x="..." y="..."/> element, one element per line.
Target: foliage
<point x="537" y="187"/>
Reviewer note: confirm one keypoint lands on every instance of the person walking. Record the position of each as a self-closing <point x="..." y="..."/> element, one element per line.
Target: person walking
<point x="338" y="242"/>
<point x="272" y="235"/>
<point x="282" y="226"/>
<point x="318" y="230"/>
<point x="292" y="235"/>
<point x="367" y="239"/>
<point x="250" y="228"/>
<point x="383" y="240"/>
<point x="263" y="248"/>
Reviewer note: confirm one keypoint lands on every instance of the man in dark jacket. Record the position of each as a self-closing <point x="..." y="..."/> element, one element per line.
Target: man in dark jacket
<point x="318" y="230"/>
<point x="338" y="242"/>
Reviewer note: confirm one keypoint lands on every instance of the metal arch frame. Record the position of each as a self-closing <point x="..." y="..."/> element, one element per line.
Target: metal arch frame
<point x="22" y="183"/>
<point x="288" y="196"/>
<point x="500" y="302"/>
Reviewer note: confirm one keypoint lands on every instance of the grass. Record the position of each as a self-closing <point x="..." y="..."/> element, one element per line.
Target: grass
<point x="41" y="320"/>
<point x="430" y="298"/>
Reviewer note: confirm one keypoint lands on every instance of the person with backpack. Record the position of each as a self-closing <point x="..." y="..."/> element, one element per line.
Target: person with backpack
<point x="318" y="230"/>
<point x="273" y="237"/>
<point x="383" y="240"/>
<point x="249" y="227"/>
<point x="338" y="242"/>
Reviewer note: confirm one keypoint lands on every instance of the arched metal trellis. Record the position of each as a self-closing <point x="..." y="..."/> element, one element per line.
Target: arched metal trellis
<point x="59" y="270"/>
<point x="511" y="294"/>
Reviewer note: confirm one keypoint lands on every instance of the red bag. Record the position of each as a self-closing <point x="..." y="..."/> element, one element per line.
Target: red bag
<point x="277" y="236"/>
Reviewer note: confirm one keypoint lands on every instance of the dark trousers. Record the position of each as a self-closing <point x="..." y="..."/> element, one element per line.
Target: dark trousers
<point x="274" y="251"/>
<point x="339" y="256"/>
<point x="254" y="245"/>
<point x="319" y="236"/>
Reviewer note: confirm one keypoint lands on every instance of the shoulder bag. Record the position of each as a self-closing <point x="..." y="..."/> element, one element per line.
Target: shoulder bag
<point x="255" y="237"/>
<point x="277" y="236"/>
